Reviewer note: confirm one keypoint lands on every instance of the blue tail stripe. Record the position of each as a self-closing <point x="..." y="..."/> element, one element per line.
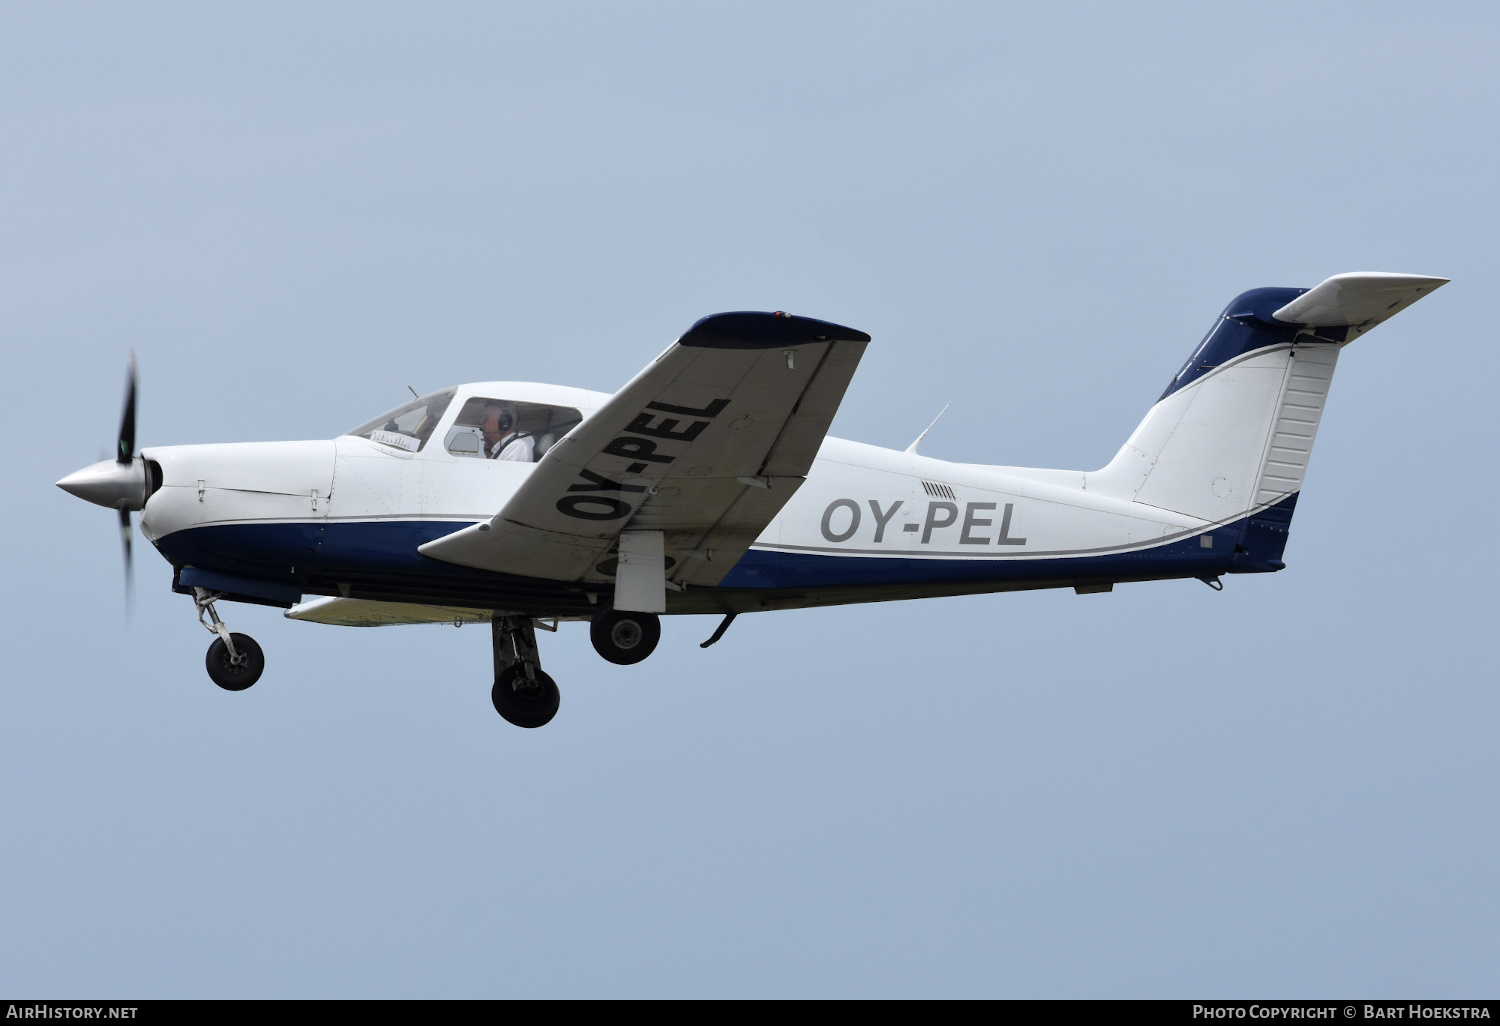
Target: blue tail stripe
<point x="1245" y="326"/>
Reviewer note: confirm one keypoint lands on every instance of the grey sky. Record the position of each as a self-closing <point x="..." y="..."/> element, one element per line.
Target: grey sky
<point x="292" y="213"/>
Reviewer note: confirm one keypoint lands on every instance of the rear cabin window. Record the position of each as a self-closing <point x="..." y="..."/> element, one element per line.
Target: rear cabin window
<point x="504" y="429"/>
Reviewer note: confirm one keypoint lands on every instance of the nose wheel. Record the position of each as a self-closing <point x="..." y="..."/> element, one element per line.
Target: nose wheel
<point x="234" y="661"/>
<point x="237" y="669"/>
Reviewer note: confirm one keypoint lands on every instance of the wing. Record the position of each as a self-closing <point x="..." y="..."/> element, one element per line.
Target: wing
<point x="705" y="445"/>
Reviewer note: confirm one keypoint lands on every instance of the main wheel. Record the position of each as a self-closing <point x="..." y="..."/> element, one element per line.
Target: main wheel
<point x="235" y="674"/>
<point x="522" y="702"/>
<point x="625" y="638"/>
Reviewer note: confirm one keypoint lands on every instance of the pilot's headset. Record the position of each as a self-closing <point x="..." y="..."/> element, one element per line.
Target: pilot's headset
<point x="506" y="420"/>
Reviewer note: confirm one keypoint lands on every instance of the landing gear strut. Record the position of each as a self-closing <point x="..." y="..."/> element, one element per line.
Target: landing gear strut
<point x="234" y="661"/>
<point x="523" y="694"/>
<point x="625" y="638"/>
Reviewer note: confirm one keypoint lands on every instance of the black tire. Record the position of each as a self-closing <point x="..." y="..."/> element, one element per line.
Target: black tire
<point x="523" y="703"/>
<point x="625" y="638"/>
<point x="232" y="676"/>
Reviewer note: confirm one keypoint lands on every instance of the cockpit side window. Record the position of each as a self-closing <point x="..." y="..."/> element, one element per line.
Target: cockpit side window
<point x="505" y="429"/>
<point x="408" y="427"/>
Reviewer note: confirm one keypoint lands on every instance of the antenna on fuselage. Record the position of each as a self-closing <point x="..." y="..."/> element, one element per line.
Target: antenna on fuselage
<point x="912" y="448"/>
<point x="413" y="392"/>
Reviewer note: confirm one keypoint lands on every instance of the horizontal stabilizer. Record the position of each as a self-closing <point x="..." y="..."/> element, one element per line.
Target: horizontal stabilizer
<point x="1361" y="299"/>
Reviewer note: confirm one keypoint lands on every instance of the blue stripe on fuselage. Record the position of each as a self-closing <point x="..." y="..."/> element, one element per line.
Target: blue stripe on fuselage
<point x="761" y="568"/>
<point x="382" y="556"/>
<point x="258" y="548"/>
<point x="1251" y="544"/>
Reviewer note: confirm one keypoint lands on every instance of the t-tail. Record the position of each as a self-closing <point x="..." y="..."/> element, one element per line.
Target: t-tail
<point x="1230" y="438"/>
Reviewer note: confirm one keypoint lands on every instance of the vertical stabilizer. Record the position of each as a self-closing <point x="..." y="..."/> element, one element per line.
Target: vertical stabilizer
<point x="1232" y="434"/>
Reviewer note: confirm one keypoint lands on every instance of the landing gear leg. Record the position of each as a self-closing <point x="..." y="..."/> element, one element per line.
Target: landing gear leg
<point x="234" y="661"/>
<point x="523" y="694"/>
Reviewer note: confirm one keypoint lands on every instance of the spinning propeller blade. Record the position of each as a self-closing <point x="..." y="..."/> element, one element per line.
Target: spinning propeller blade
<point x="125" y="540"/>
<point x="125" y="449"/>
<point x="125" y="453"/>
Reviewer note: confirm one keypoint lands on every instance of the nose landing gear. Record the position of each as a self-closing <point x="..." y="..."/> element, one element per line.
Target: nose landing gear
<point x="234" y="661"/>
<point x="523" y="694"/>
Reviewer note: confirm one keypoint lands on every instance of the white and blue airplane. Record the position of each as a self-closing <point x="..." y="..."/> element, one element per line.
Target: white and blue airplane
<point x="708" y="485"/>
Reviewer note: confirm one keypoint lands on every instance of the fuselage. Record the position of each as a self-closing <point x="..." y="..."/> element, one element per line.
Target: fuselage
<point x="276" y="521"/>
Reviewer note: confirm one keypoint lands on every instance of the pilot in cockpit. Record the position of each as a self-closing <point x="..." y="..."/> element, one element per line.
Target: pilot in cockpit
<point x="501" y="439"/>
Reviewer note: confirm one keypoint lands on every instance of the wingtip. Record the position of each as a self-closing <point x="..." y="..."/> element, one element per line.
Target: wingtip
<point x="752" y="329"/>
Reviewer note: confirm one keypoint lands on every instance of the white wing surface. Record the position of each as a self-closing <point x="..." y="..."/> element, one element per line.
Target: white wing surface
<point x="351" y="612"/>
<point x="705" y="446"/>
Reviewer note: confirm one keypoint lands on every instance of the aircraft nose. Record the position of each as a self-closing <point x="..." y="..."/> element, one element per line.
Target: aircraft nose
<point x="109" y="483"/>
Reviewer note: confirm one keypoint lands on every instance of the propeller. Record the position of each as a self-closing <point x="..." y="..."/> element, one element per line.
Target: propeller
<point x="125" y="536"/>
<point x="121" y="482"/>
<point x="125" y="456"/>
<point x="125" y="451"/>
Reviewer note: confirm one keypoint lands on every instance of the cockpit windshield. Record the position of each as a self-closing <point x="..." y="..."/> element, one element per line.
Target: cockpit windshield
<point x="408" y="427"/>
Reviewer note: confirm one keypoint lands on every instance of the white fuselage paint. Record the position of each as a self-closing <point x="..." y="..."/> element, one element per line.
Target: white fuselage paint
<point x="1232" y="442"/>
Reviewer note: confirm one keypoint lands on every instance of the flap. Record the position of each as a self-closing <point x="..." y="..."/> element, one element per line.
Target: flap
<point x="350" y="612"/>
<point x="706" y="445"/>
<point x="1361" y="298"/>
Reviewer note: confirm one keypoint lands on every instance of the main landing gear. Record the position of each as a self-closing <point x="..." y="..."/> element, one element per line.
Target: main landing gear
<point x="234" y="661"/>
<point x="523" y="694"/>
<point x="526" y="696"/>
<point x="624" y="638"/>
